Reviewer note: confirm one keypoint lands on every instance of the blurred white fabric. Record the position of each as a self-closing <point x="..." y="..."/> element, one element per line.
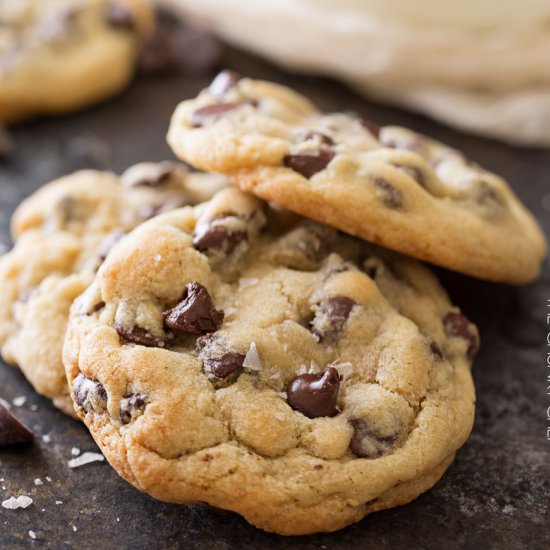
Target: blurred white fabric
<point x="480" y="65"/>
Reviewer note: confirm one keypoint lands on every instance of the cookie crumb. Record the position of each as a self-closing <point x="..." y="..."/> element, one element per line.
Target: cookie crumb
<point x="19" y="401"/>
<point x="86" y="458"/>
<point x="20" y="502"/>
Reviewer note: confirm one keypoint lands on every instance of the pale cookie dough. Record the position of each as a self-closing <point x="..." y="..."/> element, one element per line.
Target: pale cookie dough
<point x="231" y="354"/>
<point x="63" y="232"/>
<point x="60" y="55"/>
<point x="387" y="185"/>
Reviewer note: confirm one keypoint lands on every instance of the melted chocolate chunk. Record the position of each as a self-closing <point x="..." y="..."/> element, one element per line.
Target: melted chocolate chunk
<point x="312" y="134"/>
<point x="12" y="432"/>
<point x="488" y="195"/>
<point x="459" y="326"/>
<point x="6" y="144"/>
<point x="199" y="117"/>
<point x="331" y="317"/>
<point x="157" y="178"/>
<point x="139" y="335"/>
<point x="436" y="350"/>
<point x="390" y="195"/>
<point x="89" y="395"/>
<point x="308" y="163"/>
<point x="195" y="313"/>
<point x="373" y="128"/>
<point x="366" y="443"/>
<point x="414" y="172"/>
<point x="315" y="395"/>
<point x="213" y="235"/>
<point x="118" y="15"/>
<point x="131" y="407"/>
<point x="227" y="365"/>
<point x="225" y="81"/>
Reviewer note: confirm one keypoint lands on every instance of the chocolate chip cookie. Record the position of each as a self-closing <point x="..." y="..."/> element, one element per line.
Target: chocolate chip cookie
<point x="63" y="233"/>
<point x="388" y="185"/>
<point x="238" y="355"/>
<point x="60" y="55"/>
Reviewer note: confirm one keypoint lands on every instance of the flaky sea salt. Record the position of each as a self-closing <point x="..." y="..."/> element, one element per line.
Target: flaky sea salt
<point x="245" y="283"/>
<point x="302" y="369"/>
<point x="345" y="368"/>
<point x="32" y="534"/>
<point x="46" y="438"/>
<point x="282" y="394"/>
<point x="58" y="502"/>
<point x="38" y="481"/>
<point x="5" y="404"/>
<point x="75" y="451"/>
<point x="252" y="359"/>
<point x="48" y="479"/>
<point x="279" y="415"/>
<point x="313" y="368"/>
<point x="19" y="401"/>
<point x="85" y="458"/>
<point x="75" y="528"/>
<point x="20" y="502"/>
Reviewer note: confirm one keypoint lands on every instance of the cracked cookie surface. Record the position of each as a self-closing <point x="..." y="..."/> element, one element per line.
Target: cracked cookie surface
<point x="63" y="233"/>
<point x="60" y="55"/>
<point x="388" y="185"/>
<point x="236" y="354"/>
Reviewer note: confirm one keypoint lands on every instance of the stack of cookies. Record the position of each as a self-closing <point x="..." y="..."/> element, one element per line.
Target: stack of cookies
<point x="270" y="347"/>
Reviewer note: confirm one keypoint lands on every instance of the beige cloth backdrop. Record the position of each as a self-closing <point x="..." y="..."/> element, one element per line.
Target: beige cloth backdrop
<point x="480" y="65"/>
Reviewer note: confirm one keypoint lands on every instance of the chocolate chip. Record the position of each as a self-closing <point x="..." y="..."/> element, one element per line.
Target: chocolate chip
<point x="89" y="395"/>
<point x="373" y="128"/>
<point x="459" y="326"/>
<point x="139" y="335"/>
<point x="309" y="163"/>
<point x="214" y="235"/>
<point x="157" y="177"/>
<point x="195" y="313"/>
<point x="314" y="134"/>
<point x="131" y="407"/>
<point x="199" y="117"/>
<point x="488" y="195"/>
<point x="109" y="241"/>
<point x="366" y="443"/>
<point x="390" y="195"/>
<point x="408" y="143"/>
<point x="226" y="365"/>
<point x="331" y="316"/>
<point x="436" y="350"/>
<point x="96" y="307"/>
<point x="6" y="144"/>
<point x="225" y="81"/>
<point x="414" y="172"/>
<point x="315" y="395"/>
<point x="12" y="432"/>
<point x="118" y="15"/>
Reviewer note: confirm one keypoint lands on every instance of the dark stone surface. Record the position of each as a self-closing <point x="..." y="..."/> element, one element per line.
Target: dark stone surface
<point x="495" y="495"/>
